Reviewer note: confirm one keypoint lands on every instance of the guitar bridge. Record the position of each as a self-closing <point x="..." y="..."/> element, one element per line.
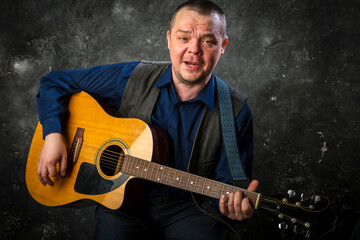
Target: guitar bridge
<point x="75" y="149"/>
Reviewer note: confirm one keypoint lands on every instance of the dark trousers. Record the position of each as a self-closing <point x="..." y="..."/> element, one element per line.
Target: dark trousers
<point x="163" y="218"/>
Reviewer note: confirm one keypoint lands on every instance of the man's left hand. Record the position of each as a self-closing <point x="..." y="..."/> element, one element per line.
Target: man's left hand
<point x="237" y="207"/>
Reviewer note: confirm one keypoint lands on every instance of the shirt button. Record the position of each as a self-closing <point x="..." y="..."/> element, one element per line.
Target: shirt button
<point x="172" y="126"/>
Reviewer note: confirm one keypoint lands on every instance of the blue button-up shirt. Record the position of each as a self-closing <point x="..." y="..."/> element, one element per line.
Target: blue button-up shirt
<point x="179" y="119"/>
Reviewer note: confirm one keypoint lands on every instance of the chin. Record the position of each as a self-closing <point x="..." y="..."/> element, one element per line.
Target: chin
<point x="192" y="80"/>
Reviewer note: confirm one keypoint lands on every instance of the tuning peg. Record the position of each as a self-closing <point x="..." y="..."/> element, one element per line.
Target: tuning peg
<point x="291" y="193"/>
<point x="316" y="198"/>
<point x="283" y="226"/>
<point x="295" y="229"/>
<point x="307" y="234"/>
<point x="302" y="197"/>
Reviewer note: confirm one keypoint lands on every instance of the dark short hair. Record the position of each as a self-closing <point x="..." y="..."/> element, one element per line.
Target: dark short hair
<point x="203" y="7"/>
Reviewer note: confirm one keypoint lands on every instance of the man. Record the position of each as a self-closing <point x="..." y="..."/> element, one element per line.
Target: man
<point x="185" y="101"/>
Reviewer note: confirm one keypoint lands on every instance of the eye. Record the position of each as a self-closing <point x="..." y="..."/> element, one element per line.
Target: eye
<point x="209" y="42"/>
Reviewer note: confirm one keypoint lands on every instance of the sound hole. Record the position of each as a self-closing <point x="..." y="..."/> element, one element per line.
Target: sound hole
<point x="111" y="160"/>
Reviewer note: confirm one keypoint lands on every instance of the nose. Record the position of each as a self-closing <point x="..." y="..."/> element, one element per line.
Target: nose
<point x="194" y="47"/>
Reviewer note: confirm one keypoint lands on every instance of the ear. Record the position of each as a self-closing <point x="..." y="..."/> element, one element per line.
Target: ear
<point x="224" y="43"/>
<point x="168" y="38"/>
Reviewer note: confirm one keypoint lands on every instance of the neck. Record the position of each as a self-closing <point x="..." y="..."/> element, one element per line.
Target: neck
<point x="186" y="90"/>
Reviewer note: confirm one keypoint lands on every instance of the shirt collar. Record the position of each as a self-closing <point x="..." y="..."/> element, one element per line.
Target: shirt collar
<point x="206" y="95"/>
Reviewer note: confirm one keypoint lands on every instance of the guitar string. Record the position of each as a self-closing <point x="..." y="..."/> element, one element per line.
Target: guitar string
<point x="217" y="187"/>
<point x="110" y="159"/>
<point x="305" y="208"/>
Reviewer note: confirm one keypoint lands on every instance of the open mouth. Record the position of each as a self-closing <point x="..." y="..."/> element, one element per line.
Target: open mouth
<point x="192" y="64"/>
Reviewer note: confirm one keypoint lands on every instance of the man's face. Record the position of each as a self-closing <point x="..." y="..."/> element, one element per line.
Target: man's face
<point x="195" y="46"/>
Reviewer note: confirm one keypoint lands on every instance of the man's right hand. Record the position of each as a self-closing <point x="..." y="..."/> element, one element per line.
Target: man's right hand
<point x="53" y="152"/>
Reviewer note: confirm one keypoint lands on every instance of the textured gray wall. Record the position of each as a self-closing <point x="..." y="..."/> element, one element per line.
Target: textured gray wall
<point x="297" y="60"/>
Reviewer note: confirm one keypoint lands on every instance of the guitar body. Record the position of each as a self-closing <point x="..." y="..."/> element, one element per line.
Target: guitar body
<point x="88" y="176"/>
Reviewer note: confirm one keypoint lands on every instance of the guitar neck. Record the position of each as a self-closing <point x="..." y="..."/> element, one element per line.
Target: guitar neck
<point x="183" y="180"/>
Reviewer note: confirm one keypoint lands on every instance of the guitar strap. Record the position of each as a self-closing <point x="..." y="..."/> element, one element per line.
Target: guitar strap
<point x="228" y="132"/>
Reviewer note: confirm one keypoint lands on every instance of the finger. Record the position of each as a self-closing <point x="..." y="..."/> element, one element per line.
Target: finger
<point x="38" y="173"/>
<point x="52" y="169"/>
<point x="63" y="165"/>
<point x="230" y="204"/>
<point x="45" y="176"/>
<point x="238" y="203"/>
<point x="222" y="205"/>
<point x="246" y="208"/>
<point x="253" y="185"/>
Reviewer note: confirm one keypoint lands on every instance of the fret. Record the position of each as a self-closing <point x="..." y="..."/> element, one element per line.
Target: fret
<point x="222" y="190"/>
<point x="145" y="169"/>
<point x="167" y="178"/>
<point x="156" y="173"/>
<point x="174" y="177"/>
<point x="151" y="175"/>
<point x="203" y="186"/>
<point x="198" y="184"/>
<point x="187" y="182"/>
<point x="162" y="172"/>
<point x="196" y="180"/>
<point x="181" y="181"/>
<point x="126" y="165"/>
<point x="212" y="188"/>
<point x="131" y="165"/>
<point x="138" y="167"/>
<point x="123" y="167"/>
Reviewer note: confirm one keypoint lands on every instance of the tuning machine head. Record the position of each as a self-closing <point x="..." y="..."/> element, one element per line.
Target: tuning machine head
<point x="283" y="226"/>
<point x="316" y="198"/>
<point x="291" y="193"/>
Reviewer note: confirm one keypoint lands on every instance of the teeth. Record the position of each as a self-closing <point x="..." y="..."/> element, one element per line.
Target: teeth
<point x="191" y="64"/>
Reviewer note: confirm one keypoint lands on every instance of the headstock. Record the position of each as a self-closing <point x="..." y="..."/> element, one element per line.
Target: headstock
<point x="306" y="215"/>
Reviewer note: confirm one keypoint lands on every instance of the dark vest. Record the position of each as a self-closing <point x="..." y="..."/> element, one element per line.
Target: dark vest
<point x="138" y="101"/>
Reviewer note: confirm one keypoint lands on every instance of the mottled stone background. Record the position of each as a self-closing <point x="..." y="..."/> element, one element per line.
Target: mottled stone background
<point x="297" y="60"/>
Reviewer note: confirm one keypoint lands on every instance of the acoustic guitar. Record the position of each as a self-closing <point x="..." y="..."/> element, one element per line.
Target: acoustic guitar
<point x="107" y="152"/>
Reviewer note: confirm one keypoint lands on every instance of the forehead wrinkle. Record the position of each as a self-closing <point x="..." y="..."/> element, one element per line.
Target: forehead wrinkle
<point x="208" y="34"/>
<point x="183" y="31"/>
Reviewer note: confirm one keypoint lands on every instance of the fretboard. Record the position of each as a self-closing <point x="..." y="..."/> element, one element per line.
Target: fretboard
<point x="183" y="180"/>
